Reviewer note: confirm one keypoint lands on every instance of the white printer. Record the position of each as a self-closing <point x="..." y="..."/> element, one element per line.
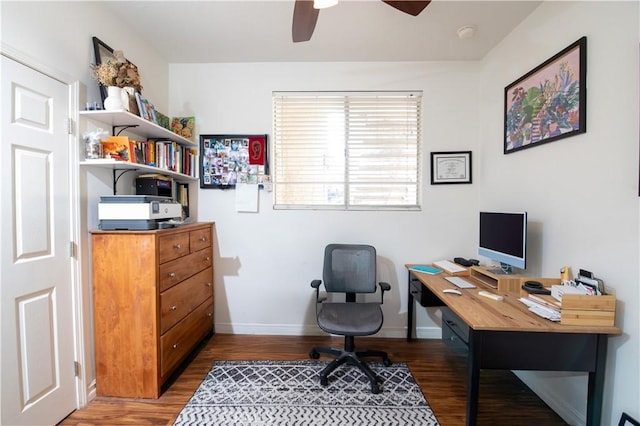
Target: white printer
<point x="137" y="212"/>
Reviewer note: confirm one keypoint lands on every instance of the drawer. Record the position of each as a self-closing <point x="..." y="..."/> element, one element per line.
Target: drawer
<point x="183" y="298"/>
<point x="453" y="341"/>
<point x="423" y="295"/>
<point x="175" y="271"/>
<point x="455" y="324"/>
<point x="172" y="246"/>
<point x="200" y="239"/>
<point x="181" y="339"/>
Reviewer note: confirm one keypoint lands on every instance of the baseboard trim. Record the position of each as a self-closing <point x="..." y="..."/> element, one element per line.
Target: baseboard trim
<point x="313" y="330"/>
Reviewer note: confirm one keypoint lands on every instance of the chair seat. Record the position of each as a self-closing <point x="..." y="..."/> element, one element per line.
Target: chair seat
<point x="350" y="319"/>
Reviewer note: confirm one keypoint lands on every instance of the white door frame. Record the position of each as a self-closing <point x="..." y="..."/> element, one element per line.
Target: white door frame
<point x="81" y="301"/>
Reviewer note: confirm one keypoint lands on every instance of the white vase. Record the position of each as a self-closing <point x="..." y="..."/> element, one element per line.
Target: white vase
<point x="128" y="93"/>
<point x="113" y="100"/>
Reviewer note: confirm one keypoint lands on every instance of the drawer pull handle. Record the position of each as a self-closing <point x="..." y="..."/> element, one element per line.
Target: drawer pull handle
<point x="172" y="274"/>
<point x="208" y="284"/>
<point x="209" y="314"/>
<point x="203" y="239"/>
<point x="174" y="307"/>
<point x="178" y="246"/>
<point x="175" y="346"/>
<point x="207" y="258"/>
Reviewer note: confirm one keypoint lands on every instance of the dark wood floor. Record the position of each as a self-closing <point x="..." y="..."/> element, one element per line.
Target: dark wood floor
<point x="441" y="374"/>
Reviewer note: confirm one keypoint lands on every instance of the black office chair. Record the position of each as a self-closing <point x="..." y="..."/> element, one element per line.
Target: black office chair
<point x="349" y="269"/>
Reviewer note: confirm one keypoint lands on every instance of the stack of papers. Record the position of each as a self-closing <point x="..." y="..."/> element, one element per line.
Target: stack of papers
<point x="558" y="290"/>
<point x="544" y="311"/>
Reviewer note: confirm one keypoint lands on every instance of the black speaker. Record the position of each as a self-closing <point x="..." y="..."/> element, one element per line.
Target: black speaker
<point x="535" y="287"/>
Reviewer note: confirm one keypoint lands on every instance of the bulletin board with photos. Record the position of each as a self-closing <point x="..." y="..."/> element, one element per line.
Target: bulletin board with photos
<point x="226" y="160"/>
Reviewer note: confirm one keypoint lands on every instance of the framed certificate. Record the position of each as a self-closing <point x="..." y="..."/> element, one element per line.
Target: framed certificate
<point x="450" y="167"/>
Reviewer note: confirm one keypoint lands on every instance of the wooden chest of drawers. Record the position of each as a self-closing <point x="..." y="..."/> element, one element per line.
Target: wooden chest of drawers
<point x="152" y="304"/>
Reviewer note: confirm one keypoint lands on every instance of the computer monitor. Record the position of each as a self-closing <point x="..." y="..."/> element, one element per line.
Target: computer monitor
<point x="503" y="238"/>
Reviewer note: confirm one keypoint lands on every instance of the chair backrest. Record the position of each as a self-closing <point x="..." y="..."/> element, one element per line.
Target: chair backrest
<point x="349" y="268"/>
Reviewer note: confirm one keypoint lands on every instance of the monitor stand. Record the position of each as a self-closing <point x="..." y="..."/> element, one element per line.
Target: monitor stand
<point x="504" y="270"/>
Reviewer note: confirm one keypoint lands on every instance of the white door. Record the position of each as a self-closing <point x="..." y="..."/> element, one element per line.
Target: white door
<point x="36" y="307"/>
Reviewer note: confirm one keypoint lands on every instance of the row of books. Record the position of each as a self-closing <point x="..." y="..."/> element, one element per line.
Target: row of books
<point x="183" y="126"/>
<point x="163" y="154"/>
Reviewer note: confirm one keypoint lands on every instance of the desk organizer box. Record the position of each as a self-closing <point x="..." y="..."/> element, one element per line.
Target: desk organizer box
<point x="588" y="310"/>
<point x="576" y="309"/>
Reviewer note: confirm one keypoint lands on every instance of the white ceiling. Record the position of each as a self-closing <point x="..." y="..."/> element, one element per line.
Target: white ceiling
<point x="354" y="30"/>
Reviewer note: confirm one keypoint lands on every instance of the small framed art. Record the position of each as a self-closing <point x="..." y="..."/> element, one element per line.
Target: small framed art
<point x="448" y="167"/>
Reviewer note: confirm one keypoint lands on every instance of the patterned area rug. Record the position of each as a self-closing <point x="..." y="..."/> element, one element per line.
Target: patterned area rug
<point x="260" y="393"/>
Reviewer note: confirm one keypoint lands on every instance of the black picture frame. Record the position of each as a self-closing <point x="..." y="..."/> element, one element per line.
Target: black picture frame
<point x="627" y="420"/>
<point x="549" y="102"/>
<point x="451" y="167"/>
<point x="103" y="53"/>
<point x="227" y="159"/>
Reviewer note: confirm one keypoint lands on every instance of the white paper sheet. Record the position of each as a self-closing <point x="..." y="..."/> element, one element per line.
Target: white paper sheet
<point x="246" y="197"/>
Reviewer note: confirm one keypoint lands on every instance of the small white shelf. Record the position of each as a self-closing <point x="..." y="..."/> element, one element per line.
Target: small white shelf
<point x="144" y="127"/>
<point x="109" y="163"/>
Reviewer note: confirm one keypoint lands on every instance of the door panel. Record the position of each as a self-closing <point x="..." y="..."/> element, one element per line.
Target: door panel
<point x="37" y="351"/>
<point x="32" y="203"/>
<point x="36" y="301"/>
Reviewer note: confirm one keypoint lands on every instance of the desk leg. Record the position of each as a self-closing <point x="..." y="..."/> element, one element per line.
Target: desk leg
<point x="595" y="387"/>
<point x="409" y="310"/>
<point x="473" y="383"/>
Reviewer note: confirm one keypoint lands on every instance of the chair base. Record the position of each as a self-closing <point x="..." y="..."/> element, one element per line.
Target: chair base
<point x="353" y="358"/>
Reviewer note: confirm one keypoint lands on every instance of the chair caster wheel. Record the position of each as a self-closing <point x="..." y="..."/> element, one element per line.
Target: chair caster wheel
<point x="324" y="381"/>
<point x="375" y="389"/>
<point x="313" y="354"/>
<point x="387" y="362"/>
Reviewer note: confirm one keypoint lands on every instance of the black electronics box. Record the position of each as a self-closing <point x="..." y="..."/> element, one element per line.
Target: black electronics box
<point x="153" y="186"/>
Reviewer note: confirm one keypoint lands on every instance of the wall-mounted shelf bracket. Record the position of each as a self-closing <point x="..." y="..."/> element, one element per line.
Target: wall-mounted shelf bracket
<point x="122" y="128"/>
<point x="116" y="177"/>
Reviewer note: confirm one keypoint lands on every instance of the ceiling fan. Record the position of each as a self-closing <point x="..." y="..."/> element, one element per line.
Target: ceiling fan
<point x="305" y="15"/>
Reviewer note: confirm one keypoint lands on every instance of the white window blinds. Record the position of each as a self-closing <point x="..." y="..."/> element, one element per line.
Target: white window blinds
<point x="347" y="150"/>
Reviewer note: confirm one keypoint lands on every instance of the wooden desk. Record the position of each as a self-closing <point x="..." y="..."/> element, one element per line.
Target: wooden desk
<point x="504" y="335"/>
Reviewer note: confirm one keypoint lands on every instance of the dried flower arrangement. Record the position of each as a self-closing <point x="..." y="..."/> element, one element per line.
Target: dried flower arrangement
<point x="118" y="72"/>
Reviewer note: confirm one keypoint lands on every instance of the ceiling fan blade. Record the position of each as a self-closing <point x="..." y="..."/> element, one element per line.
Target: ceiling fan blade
<point x="413" y="8"/>
<point x="305" y="17"/>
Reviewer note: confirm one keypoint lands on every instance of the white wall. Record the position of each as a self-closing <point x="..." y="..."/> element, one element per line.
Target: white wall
<point x="58" y="34"/>
<point x="266" y="261"/>
<point x="581" y="192"/>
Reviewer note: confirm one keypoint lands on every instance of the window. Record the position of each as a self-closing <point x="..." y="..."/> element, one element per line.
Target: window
<point x="348" y="151"/>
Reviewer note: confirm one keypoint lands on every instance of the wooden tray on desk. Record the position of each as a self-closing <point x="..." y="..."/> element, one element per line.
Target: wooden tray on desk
<point x="576" y="309"/>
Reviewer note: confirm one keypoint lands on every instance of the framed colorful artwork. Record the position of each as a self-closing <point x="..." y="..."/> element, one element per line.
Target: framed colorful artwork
<point x="549" y="102"/>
